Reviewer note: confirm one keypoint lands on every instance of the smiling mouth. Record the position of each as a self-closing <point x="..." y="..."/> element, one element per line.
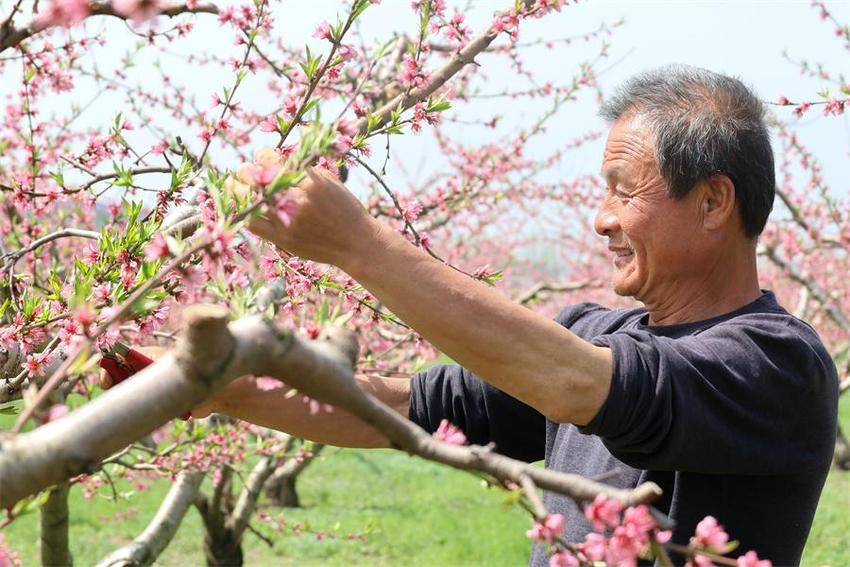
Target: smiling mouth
<point x="623" y="256"/>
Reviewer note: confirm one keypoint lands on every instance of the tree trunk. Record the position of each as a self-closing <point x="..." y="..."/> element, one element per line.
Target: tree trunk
<point x="842" y="451"/>
<point x="221" y="546"/>
<point x="280" y="488"/>
<point x="54" y="528"/>
<point x="222" y="549"/>
<point x="282" y="492"/>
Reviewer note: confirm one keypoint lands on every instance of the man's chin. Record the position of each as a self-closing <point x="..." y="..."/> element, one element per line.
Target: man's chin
<point x="622" y="288"/>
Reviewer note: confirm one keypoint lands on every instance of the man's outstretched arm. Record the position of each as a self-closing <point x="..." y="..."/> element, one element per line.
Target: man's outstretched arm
<point x="279" y="409"/>
<point x="523" y="353"/>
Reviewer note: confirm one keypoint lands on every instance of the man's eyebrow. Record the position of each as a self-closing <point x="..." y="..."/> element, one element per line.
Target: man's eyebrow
<point x="610" y="174"/>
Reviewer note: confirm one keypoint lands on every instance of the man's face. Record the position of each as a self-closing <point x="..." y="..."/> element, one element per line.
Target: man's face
<point x="654" y="239"/>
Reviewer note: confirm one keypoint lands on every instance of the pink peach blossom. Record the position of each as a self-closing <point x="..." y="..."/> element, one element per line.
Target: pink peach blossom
<point x="549" y="529"/>
<point x="449" y="433"/>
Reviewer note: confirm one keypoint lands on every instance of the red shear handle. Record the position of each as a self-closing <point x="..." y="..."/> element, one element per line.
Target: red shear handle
<point x="118" y="372"/>
<point x="137" y="360"/>
<point x="134" y="362"/>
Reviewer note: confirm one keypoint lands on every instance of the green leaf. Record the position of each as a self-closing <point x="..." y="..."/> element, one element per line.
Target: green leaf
<point x="282" y="123"/>
<point x="336" y="31"/>
<point x="57" y="177"/>
<point x="382" y="50"/>
<point x="322" y="313"/>
<point x="360" y="7"/>
<point x="311" y="65"/>
<point x="437" y="105"/>
<point x="311" y="104"/>
<point x="285" y="181"/>
<point x="10" y="409"/>
<point x="149" y="269"/>
<point x="124" y="177"/>
<point x="491" y="279"/>
<point x="372" y="121"/>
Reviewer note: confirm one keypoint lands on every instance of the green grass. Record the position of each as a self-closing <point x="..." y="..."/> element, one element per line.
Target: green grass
<point x="413" y="512"/>
<point x="829" y="540"/>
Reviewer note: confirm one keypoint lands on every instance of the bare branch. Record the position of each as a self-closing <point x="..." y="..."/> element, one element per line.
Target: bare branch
<point x="457" y="62"/>
<point x="816" y="291"/>
<point x="64" y="233"/>
<point x="534" y="291"/>
<point x="530" y="490"/>
<point x="14" y="36"/>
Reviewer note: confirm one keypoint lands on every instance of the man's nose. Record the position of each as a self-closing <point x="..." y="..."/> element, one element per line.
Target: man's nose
<point x="607" y="222"/>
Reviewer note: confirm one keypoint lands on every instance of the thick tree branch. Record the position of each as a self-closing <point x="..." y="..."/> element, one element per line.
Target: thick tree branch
<point x="158" y="534"/>
<point x="213" y="353"/>
<point x="248" y="496"/>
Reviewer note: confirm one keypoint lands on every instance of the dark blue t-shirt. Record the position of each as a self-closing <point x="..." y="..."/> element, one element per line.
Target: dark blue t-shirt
<point x="733" y="417"/>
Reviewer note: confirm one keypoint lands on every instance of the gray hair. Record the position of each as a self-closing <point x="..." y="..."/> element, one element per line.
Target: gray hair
<point x="704" y="124"/>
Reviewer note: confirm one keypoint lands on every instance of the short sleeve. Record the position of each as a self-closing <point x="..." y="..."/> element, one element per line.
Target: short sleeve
<point x="485" y="414"/>
<point x="736" y="398"/>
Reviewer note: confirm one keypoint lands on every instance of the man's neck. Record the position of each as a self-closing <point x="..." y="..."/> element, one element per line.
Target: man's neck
<point x="731" y="282"/>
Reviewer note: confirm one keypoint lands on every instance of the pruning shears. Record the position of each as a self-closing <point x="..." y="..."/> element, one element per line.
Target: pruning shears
<point x="122" y="361"/>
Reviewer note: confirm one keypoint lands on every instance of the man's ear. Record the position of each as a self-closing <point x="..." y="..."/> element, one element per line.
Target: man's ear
<point x="718" y="201"/>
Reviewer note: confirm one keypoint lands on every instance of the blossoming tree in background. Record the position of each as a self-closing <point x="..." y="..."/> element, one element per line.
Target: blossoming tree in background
<point x="806" y="244"/>
<point x="125" y="223"/>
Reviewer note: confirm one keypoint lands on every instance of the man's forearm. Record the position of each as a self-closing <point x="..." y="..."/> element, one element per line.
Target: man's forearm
<point x="520" y="352"/>
<point x="279" y="409"/>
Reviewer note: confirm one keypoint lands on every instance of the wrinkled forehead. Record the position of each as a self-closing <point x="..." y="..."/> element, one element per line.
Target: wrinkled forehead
<point x="630" y="143"/>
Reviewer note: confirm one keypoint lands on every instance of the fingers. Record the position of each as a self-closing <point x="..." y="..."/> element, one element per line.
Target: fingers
<point x="105" y="380"/>
<point x="264" y="228"/>
<point x="314" y="174"/>
<point x="202" y="411"/>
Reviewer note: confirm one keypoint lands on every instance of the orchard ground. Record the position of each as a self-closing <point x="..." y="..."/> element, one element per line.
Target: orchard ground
<point x="409" y="510"/>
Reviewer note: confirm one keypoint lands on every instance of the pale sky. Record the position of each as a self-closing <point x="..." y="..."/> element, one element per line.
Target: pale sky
<point x="743" y="38"/>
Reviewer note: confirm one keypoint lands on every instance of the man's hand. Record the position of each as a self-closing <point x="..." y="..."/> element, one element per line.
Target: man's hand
<point x="328" y="224"/>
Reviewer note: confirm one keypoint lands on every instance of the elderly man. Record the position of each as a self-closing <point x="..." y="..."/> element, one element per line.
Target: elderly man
<point x="712" y="390"/>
